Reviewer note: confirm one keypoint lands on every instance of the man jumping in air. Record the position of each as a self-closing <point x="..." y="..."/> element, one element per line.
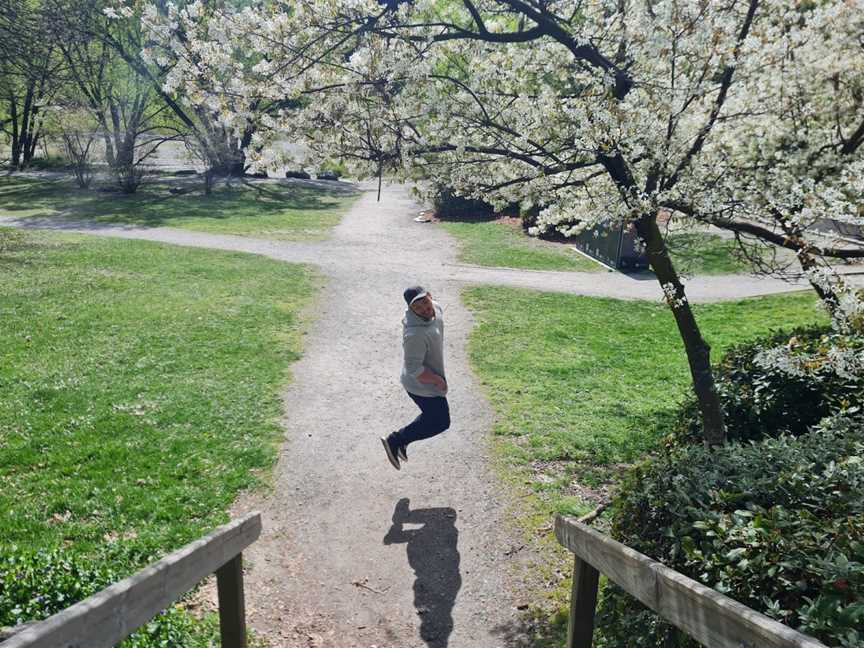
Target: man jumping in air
<point x="422" y="373"/>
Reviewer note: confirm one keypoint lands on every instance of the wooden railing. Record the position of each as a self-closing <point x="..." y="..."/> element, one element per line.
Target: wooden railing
<point x="109" y="616"/>
<point x="701" y="612"/>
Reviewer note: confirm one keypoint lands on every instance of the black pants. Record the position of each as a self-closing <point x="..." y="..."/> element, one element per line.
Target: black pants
<point x="434" y="419"/>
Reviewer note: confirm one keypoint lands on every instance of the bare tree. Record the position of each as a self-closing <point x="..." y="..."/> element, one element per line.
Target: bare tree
<point x="130" y="116"/>
<point x="29" y="77"/>
<point x="78" y="147"/>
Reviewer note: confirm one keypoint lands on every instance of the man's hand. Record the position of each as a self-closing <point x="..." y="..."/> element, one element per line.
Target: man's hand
<point x="431" y="378"/>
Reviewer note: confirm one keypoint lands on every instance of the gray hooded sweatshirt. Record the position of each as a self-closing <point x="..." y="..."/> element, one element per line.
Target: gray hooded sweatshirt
<point x="423" y="343"/>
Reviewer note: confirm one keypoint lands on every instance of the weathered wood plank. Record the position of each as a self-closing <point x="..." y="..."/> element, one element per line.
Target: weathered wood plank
<point x="232" y="605"/>
<point x="706" y="615"/>
<point x="583" y="603"/>
<point x="108" y="617"/>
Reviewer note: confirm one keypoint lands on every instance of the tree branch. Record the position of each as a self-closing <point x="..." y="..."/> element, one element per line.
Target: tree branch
<point x="780" y="240"/>
<point x="725" y="83"/>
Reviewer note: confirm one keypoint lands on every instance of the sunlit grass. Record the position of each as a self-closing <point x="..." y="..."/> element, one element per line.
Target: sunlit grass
<point x="702" y="253"/>
<point x="583" y="384"/>
<point x="503" y="244"/>
<point x="140" y="388"/>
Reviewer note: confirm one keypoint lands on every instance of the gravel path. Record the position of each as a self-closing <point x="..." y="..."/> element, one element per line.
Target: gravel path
<point x="355" y="554"/>
<point x="332" y="568"/>
<point x="365" y="251"/>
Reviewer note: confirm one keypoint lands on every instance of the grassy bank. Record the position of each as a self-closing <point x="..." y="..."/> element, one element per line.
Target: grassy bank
<point x="502" y="243"/>
<point x="582" y="384"/>
<point x="140" y="387"/>
<point x="284" y="211"/>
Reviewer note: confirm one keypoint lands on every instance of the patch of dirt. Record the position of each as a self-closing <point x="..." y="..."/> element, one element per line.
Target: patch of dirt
<point x="512" y="221"/>
<point x="548" y="472"/>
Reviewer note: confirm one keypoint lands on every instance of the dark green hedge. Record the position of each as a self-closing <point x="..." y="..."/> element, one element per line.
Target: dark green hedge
<point x="450" y="206"/>
<point x="777" y="525"/>
<point x="761" y="403"/>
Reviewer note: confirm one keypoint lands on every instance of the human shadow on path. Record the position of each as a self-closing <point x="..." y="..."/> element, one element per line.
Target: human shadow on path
<point x="433" y="554"/>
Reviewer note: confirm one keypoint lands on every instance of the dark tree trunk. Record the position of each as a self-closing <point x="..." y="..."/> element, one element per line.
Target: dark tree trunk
<point x="237" y="166"/>
<point x="125" y="130"/>
<point x="109" y="147"/>
<point x="35" y="135"/>
<point x="698" y="351"/>
<point x="15" y="156"/>
<point x="26" y="124"/>
<point x="245" y="141"/>
<point x="209" y="179"/>
<point x="230" y="166"/>
<point x="232" y="160"/>
<point x="24" y="134"/>
<point x="124" y="166"/>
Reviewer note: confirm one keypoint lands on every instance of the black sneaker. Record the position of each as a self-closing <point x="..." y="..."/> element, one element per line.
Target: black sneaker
<point x="402" y="453"/>
<point x="391" y="456"/>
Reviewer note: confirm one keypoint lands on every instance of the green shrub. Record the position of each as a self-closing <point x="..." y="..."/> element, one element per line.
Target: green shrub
<point x="777" y="525"/>
<point x="761" y="402"/>
<point x="450" y="206"/>
<point x="50" y="163"/>
<point x="36" y="585"/>
<point x="528" y="216"/>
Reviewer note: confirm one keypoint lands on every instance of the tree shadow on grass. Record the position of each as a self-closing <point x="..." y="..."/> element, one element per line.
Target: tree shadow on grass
<point x="433" y="554"/>
<point x="19" y="248"/>
<point x="40" y="203"/>
<point x="39" y="197"/>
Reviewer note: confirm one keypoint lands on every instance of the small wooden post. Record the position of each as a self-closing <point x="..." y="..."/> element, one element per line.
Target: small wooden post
<point x="232" y="607"/>
<point x="583" y="601"/>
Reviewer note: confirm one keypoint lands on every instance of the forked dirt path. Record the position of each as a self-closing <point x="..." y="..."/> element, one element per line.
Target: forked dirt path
<point x="355" y="554"/>
<point x="377" y="239"/>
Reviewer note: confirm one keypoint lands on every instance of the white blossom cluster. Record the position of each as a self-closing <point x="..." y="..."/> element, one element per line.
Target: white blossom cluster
<point x="523" y="122"/>
<point x="841" y="352"/>
<point x="744" y="112"/>
<point x="672" y="297"/>
<point x="842" y="356"/>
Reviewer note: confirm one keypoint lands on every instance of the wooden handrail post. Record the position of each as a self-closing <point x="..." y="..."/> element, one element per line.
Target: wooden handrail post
<point x="583" y="602"/>
<point x="232" y="606"/>
<point x="108" y="617"/>
<point x="704" y="614"/>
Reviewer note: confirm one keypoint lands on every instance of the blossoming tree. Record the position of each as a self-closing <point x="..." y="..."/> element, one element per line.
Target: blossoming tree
<point x="162" y="58"/>
<point x="746" y="115"/>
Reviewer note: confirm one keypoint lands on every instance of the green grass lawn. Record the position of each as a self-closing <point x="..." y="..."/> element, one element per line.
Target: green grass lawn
<point x="699" y="253"/>
<point x="141" y="389"/>
<point x="503" y="244"/>
<point x="257" y="209"/>
<point x="581" y="385"/>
